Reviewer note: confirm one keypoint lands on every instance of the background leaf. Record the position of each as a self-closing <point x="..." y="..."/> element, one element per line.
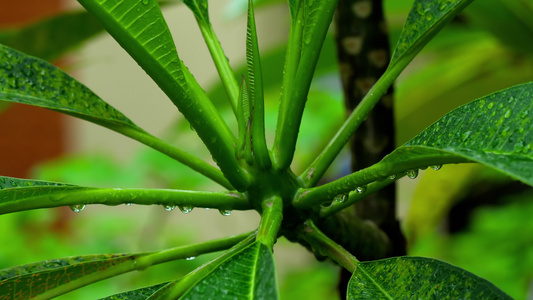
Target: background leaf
<point x="418" y="277"/>
<point x="249" y="274"/>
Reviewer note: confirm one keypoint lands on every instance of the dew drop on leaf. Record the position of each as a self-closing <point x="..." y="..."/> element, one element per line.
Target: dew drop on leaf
<point x="190" y="258"/>
<point x="129" y="204"/>
<point x="524" y="114"/>
<point x="436" y="167"/>
<point x="340" y="198"/>
<point x="392" y="177"/>
<point x="185" y="209"/>
<point x="412" y="174"/>
<point x="77" y="208"/>
<point x="146" y="2"/>
<point x="169" y="207"/>
<point x="508" y="113"/>
<point x="361" y="189"/>
<point x="225" y="212"/>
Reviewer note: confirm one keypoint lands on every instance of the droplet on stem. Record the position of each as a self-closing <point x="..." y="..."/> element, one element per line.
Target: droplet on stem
<point x="185" y="209"/>
<point x="77" y="208"/>
<point x="225" y="212"/>
<point x="169" y="207"/>
<point x="412" y="174"/>
<point x="361" y="189"/>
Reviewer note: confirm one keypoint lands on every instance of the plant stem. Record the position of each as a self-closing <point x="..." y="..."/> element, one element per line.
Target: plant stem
<point x="377" y="172"/>
<point x="313" y="35"/>
<point x="221" y="63"/>
<point x="195" y="276"/>
<point x="355" y="197"/>
<point x="185" y="158"/>
<point x="323" y="245"/>
<point x="144" y="261"/>
<point x="271" y="218"/>
<point x="319" y="166"/>
<point x="74" y="195"/>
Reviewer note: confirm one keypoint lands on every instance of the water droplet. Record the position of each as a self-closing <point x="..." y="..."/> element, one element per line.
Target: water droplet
<point x="225" y="212"/>
<point x="392" y="177"/>
<point x="519" y="146"/>
<point x="146" y="2"/>
<point x="412" y="174"/>
<point x="77" y="208"/>
<point x="191" y="127"/>
<point x="190" y="258"/>
<point x="129" y="204"/>
<point x="361" y="189"/>
<point x="185" y="209"/>
<point x="508" y="113"/>
<point x="511" y="99"/>
<point x="524" y="114"/>
<point x="169" y="207"/>
<point x="436" y="167"/>
<point x="490" y="105"/>
<point x="340" y="198"/>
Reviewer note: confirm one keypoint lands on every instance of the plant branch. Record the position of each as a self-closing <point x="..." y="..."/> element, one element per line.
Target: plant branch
<point x="324" y="246"/>
<point x="271" y="218"/>
<point x="195" y="276"/>
<point x="74" y="195"/>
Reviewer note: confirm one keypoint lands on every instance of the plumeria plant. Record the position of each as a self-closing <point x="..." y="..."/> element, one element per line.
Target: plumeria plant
<point x="495" y="130"/>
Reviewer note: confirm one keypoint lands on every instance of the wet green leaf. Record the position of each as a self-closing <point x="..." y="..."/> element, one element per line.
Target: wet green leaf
<point x="249" y="274"/>
<point x="138" y="294"/>
<point x="418" y="278"/>
<point x="496" y="130"/>
<point x="29" y="80"/>
<point x="27" y="281"/>
<point x="425" y="20"/>
<point x="199" y="8"/>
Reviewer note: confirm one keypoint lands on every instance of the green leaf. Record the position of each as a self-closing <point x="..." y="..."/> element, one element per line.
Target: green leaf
<point x="27" y="281"/>
<point x="495" y="130"/>
<point x="53" y="37"/>
<point x="138" y="294"/>
<point x="199" y="8"/>
<point x="29" y="80"/>
<point x="418" y="278"/>
<point x="249" y="274"/>
<point x="425" y="20"/>
<point x="139" y="27"/>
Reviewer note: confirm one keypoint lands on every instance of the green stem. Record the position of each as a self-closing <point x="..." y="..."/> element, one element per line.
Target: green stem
<point x="271" y="218"/>
<point x="74" y="195"/>
<point x="323" y="245"/>
<point x="185" y="158"/>
<point x="185" y="283"/>
<point x="319" y="166"/>
<point x="355" y="196"/>
<point x="315" y="196"/>
<point x="314" y="33"/>
<point x="221" y="63"/>
<point x="145" y="261"/>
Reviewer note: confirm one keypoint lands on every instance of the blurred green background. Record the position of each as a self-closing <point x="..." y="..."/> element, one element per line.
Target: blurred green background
<point x="453" y="214"/>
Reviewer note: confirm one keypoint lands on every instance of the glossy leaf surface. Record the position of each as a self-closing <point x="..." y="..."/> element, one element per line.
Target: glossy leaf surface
<point x="418" y="278"/>
<point x="426" y="18"/>
<point x="29" y="80"/>
<point x="27" y="281"/>
<point x="496" y="130"/>
<point x="249" y="274"/>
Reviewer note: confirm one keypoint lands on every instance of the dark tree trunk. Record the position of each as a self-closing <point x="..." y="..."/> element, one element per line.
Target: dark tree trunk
<point x="363" y="53"/>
